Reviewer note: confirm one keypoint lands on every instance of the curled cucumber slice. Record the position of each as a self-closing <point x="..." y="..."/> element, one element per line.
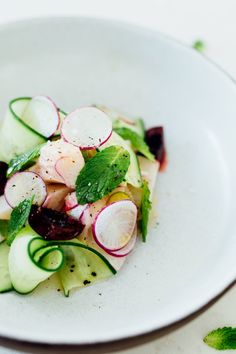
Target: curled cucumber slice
<point x="15" y="136"/>
<point x="31" y="260"/>
<point x="83" y="266"/>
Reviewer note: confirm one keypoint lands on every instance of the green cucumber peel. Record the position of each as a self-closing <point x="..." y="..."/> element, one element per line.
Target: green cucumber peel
<point x="102" y="174"/>
<point x="221" y="338"/>
<point x="31" y="259"/>
<point x="136" y="140"/>
<point x="11" y="103"/>
<point x="83" y="266"/>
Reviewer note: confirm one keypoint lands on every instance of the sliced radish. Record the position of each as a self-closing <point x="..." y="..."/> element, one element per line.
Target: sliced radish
<point x="123" y="252"/>
<point x="5" y="209"/>
<point x="68" y="168"/>
<point x="72" y="208"/>
<point x="114" y="225"/>
<point x="41" y="114"/>
<point x="25" y="185"/>
<point x="70" y="201"/>
<point x="87" y="237"/>
<point x="77" y="211"/>
<point x="89" y="215"/>
<point x="56" y="194"/>
<point x="87" y="127"/>
<point x="50" y="154"/>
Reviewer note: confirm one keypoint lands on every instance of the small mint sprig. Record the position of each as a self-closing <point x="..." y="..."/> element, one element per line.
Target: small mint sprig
<point x="19" y="217"/>
<point x="22" y="161"/>
<point x="221" y="338"/>
<point x="136" y="140"/>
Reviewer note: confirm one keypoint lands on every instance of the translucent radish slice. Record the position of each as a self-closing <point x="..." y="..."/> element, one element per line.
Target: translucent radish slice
<point x="50" y="154"/>
<point x="123" y="252"/>
<point x="89" y="215"/>
<point x="77" y="211"/>
<point x="41" y="114"/>
<point x="86" y="127"/>
<point x="72" y="208"/>
<point x="25" y="185"/>
<point x="70" y="201"/>
<point x="68" y="168"/>
<point x="114" y="225"/>
<point x="56" y="194"/>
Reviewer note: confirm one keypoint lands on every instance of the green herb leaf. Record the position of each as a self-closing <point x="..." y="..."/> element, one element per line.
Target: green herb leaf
<point x="101" y="174"/>
<point x="145" y="210"/>
<point x="222" y="338"/>
<point x="141" y="124"/>
<point x="22" y="161"/>
<point x="136" y="140"/>
<point x="199" y="46"/>
<point x="19" y="217"/>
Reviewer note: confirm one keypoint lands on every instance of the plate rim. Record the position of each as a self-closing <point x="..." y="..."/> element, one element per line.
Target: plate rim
<point x="231" y="279"/>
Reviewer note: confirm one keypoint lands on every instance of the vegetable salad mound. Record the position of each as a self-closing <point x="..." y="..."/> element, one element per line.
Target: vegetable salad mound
<point x="76" y="192"/>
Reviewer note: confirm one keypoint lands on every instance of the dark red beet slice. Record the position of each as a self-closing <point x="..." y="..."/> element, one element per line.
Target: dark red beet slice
<point x="3" y="178"/>
<point x="54" y="225"/>
<point x="155" y="141"/>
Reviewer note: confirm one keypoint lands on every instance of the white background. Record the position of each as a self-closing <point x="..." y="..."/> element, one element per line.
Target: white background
<point x="214" y="21"/>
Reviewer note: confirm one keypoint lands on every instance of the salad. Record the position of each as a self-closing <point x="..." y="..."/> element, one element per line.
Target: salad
<point x="75" y="192"/>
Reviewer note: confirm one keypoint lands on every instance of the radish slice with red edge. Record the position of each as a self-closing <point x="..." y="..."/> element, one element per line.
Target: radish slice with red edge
<point x="41" y="114"/>
<point x="72" y="208"/>
<point x="114" y="225"/>
<point x="68" y="169"/>
<point x="87" y="128"/>
<point x="77" y="211"/>
<point x="25" y="185"/>
<point x="123" y="252"/>
<point x="70" y="201"/>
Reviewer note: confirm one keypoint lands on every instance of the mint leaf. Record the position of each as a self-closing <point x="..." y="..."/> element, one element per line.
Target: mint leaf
<point x="222" y="338"/>
<point x="141" y="124"/>
<point x="22" y="161"/>
<point x="101" y="174"/>
<point x="136" y="140"/>
<point x="199" y="46"/>
<point x="145" y="210"/>
<point x="19" y="217"/>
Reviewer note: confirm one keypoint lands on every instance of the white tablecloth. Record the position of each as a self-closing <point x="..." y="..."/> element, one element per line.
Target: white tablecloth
<point x="210" y="20"/>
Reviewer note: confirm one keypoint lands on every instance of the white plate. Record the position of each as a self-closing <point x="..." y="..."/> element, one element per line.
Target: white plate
<point x="190" y="256"/>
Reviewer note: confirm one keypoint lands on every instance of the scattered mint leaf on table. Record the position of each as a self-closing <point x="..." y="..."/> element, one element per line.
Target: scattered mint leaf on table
<point x="222" y="338"/>
<point x="23" y="160"/>
<point x="19" y="217"/>
<point x="101" y="174"/>
<point x="199" y="46"/>
<point x="145" y="210"/>
<point x="136" y="140"/>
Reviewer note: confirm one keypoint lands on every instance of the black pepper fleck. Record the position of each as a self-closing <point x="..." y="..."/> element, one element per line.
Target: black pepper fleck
<point x="87" y="282"/>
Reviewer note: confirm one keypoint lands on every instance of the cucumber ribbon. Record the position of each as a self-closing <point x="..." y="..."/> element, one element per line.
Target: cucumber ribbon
<point x="30" y="260"/>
